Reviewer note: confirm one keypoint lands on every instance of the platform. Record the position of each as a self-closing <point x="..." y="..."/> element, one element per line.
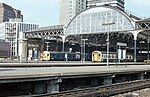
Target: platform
<point x="41" y="73"/>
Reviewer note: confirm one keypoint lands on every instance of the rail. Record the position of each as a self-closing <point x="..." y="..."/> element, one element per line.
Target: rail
<point x="102" y="90"/>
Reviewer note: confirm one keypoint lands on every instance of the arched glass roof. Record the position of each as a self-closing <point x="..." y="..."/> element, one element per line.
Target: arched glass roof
<point x="96" y="20"/>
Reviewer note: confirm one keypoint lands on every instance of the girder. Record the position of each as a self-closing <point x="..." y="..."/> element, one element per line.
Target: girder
<point x="100" y="38"/>
<point x="143" y="24"/>
<point x="45" y="32"/>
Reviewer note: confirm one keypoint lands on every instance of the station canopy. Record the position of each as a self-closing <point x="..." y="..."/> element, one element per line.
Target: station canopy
<point x="96" y="22"/>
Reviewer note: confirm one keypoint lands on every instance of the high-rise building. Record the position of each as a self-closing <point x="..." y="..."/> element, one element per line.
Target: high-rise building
<point x="10" y="32"/>
<point x="7" y="12"/>
<point x="116" y="3"/>
<point x="70" y="8"/>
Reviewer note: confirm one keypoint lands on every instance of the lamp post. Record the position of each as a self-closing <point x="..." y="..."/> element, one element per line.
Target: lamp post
<point x="84" y="48"/>
<point x="108" y="24"/>
<point x="47" y="47"/>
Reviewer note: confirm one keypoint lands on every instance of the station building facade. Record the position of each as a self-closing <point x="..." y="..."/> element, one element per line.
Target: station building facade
<point x="10" y="32"/>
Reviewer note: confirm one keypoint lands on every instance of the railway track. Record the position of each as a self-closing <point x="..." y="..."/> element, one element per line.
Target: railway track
<point x="102" y="91"/>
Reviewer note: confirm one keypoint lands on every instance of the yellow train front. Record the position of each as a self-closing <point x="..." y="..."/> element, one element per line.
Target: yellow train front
<point x="101" y="56"/>
<point x="96" y="56"/>
<point x="46" y="56"/>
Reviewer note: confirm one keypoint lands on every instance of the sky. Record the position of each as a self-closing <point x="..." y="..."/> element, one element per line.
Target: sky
<point x="46" y="12"/>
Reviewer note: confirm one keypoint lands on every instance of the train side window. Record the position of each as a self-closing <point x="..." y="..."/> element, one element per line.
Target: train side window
<point x="110" y="55"/>
<point x="114" y="56"/>
<point x="104" y="56"/>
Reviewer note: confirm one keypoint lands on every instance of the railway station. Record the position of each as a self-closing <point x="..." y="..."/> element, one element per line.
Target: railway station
<point x="103" y="28"/>
<point x="116" y="35"/>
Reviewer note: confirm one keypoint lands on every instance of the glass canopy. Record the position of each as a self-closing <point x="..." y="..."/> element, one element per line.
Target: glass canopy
<point x="99" y="20"/>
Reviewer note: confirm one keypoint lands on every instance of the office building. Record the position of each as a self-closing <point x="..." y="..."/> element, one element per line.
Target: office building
<point x="7" y="12"/>
<point x="70" y="8"/>
<point x="10" y="32"/>
<point x="116" y="3"/>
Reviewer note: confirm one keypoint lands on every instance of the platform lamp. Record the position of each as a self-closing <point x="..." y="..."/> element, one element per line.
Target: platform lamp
<point x="108" y="24"/>
<point x="47" y="47"/>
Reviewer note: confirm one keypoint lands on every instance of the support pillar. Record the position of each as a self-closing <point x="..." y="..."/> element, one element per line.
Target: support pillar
<point x="135" y="50"/>
<point x="135" y="33"/>
<point x="94" y="82"/>
<point x="148" y="41"/>
<point x="22" y="48"/>
<point x="108" y="81"/>
<point x="53" y="86"/>
<point x="141" y="76"/>
<point x="40" y="88"/>
<point x="63" y="41"/>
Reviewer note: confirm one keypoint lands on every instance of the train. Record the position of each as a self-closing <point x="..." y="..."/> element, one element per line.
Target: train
<point x="95" y="56"/>
<point x="64" y="56"/>
<point x="101" y="56"/>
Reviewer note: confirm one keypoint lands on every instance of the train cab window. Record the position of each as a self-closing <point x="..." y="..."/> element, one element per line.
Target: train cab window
<point x="99" y="54"/>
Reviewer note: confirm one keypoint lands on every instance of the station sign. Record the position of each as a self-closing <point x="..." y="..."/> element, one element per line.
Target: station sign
<point x="121" y="44"/>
